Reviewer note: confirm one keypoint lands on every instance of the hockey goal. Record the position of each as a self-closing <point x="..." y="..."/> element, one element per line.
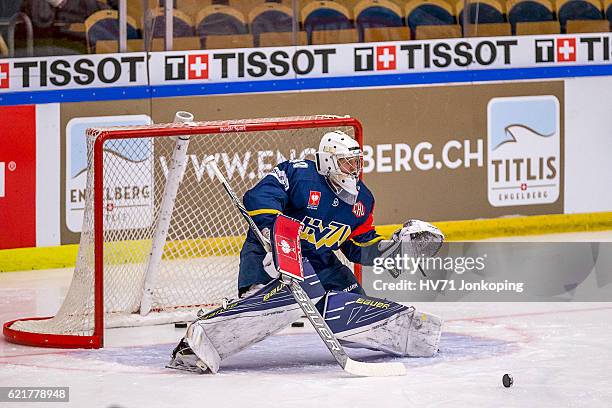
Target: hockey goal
<point x="160" y="239"/>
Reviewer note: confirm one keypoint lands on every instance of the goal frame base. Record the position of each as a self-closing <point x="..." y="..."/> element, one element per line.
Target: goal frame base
<point x="64" y="341"/>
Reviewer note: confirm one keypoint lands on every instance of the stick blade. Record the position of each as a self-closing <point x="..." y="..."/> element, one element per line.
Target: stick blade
<point x="361" y="369"/>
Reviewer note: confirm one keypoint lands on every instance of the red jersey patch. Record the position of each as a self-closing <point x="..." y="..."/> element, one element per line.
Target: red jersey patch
<point x="314" y="198"/>
<point x="359" y="209"/>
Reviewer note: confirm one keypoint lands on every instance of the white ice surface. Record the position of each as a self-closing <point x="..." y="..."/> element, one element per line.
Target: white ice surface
<point x="560" y="355"/>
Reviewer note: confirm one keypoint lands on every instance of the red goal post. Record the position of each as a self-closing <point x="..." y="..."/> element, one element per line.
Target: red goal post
<point x="107" y="263"/>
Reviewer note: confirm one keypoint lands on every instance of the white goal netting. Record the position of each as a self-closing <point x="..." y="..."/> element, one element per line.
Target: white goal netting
<point x="200" y="245"/>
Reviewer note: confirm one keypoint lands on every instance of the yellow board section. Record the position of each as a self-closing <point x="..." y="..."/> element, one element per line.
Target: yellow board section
<point x="64" y="256"/>
<point x="469" y="230"/>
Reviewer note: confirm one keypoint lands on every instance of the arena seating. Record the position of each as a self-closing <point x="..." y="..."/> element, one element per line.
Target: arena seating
<point x="537" y="27"/>
<point x="380" y="34"/>
<point x="482" y="12"/>
<point x="214" y="42"/>
<point x="586" y="26"/>
<point x="269" y="23"/>
<point x="377" y="13"/>
<point x="104" y="25"/>
<point x="344" y="36"/>
<point x="432" y="32"/>
<point x="182" y="23"/>
<point x="325" y="16"/>
<point x="429" y="13"/>
<point x="270" y="17"/>
<point x="282" y="39"/>
<point x="578" y="10"/>
<point x="220" y="20"/>
<point x="522" y="11"/>
<point x="489" y="30"/>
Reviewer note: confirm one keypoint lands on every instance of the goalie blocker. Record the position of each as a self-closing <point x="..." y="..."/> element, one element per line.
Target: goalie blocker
<point x="356" y="320"/>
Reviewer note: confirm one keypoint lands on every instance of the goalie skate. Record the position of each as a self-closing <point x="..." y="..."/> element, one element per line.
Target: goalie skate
<point x="184" y="359"/>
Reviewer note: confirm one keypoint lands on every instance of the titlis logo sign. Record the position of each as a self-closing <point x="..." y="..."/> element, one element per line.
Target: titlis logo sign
<point x="523" y="150"/>
<point x="128" y="176"/>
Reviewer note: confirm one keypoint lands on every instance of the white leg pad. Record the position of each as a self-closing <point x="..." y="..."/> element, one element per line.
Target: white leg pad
<point x="203" y="348"/>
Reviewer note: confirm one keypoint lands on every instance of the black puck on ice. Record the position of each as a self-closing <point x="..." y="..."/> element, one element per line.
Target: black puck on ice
<point x="507" y="380"/>
<point x="297" y="324"/>
<point x="180" y="325"/>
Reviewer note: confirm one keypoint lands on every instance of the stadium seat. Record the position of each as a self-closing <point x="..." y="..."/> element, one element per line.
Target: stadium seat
<point x="136" y="10"/>
<point x="282" y="39"/>
<point x="377" y="13"/>
<point x="4" y="50"/>
<point x="489" y="30"/>
<point x="608" y="10"/>
<point x="191" y="7"/>
<point x="578" y="10"/>
<point x="537" y="27"/>
<point x="433" y="32"/>
<point x="587" y="26"/>
<point x="178" y="44"/>
<point x="520" y="11"/>
<point x="270" y="17"/>
<point x="182" y="24"/>
<point x="429" y="13"/>
<point x="325" y="15"/>
<point x="347" y="35"/>
<point x="216" y="42"/>
<point x="104" y="25"/>
<point x="220" y="20"/>
<point x="482" y="12"/>
<point x="386" y="34"/>
<point x="112" y="46"/>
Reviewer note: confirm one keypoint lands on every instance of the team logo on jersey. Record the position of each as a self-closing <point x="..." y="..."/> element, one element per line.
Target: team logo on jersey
<point x="335" y="202"/>
<point x="314" y="198"/>
<point x="331" y="236"/>
<point x="359" y="209"/>
<point x="286" y="246"/>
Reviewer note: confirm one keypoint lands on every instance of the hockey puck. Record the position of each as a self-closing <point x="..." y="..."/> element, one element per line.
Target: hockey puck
<point x="180" y="325"/>
<point x="507" y="380"/>
<point x="297" y="324"/>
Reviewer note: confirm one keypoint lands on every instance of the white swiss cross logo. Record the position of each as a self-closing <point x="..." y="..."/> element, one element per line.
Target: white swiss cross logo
<point x="566" y="50"/>
<point x="359" y="209"/>
<point x="197" y="66"/>
<point x="385" y="58"/>
<point x="4" y="75"/>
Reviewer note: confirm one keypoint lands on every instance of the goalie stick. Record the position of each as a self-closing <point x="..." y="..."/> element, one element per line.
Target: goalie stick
<point x="291" y="278"/>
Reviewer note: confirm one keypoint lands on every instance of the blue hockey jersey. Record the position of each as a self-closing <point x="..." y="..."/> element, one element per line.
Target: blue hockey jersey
<point x="296" y="189"/>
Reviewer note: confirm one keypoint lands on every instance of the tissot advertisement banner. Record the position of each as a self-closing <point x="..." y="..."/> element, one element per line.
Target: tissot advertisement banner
<point x="316" y="61"/>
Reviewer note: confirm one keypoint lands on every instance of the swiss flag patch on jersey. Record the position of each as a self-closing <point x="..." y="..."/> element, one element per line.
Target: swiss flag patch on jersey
<point x="359" y="209"/>
<point x="314" y="198"/>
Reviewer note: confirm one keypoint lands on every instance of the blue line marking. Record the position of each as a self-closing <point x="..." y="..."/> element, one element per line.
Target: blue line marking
<point x="362" y="81"/>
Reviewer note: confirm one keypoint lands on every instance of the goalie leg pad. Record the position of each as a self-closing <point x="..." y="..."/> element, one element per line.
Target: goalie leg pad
<point x="378" y="324"/>
<point x="223" y="332"/>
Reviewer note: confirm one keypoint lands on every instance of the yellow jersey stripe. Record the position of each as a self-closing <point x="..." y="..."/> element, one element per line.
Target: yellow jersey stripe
<point x="263" y="211"/>
<point x="368" y="243"/>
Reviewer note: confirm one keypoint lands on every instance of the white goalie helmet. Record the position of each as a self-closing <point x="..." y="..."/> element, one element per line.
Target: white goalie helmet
<point x="340" y="159"/>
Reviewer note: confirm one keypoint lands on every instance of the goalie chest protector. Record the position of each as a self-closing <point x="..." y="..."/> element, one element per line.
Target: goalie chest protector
<point x="296" y="189"/>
